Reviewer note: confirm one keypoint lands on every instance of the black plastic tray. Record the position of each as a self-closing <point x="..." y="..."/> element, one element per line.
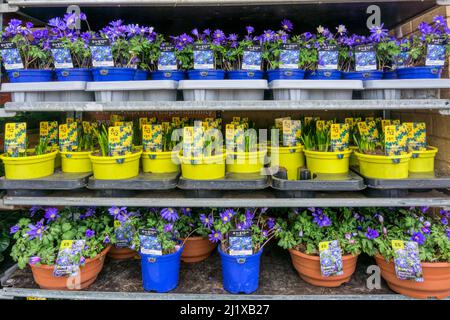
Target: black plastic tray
<point x="246" y="182"/>
<point x="319" y="183"/>
<point x="416" y="182"/>
<point x="144" y="181"/>
<point x="58" y="181"/>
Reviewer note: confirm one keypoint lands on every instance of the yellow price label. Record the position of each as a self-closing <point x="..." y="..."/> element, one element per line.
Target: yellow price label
<point x="10" y="130"/>
<point x="43" y="128"/>
<point x="236" y="119"/>
<point x="117" y="224"/>
<point x="320" y="125"/>
<point x="389" y="134"/>
<point x="66" y="244"/>
<point x="69" y="120"/>
<point x="335" y="130"/>
<point x="287" y="126"/>
<point x="324" y="245"/>
<point x="36" y="298"/>
<point x="113" y="134"/>
<point x="63" y="131"/>
<point x="188" y="134"/>
<point x="398" y="244"/>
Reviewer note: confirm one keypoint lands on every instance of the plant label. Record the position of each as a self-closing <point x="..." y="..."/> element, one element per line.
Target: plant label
<point x="292" y="132"/>
<point x="15" y="139"/>
<point x="395" y="139"/>
<point x="436" y="52"/>
<point x="120" y="139"/>
<point x="417" y="136"/>
<point x="203" y="57"/>
<point x="167" y="59"/>
<point x="101" y="53"/>
<point x="240" y="243"/>
<point x="62" y="59"/>
<point x="289" y="56"/>
<point x="407" y="261"/>
<point x="328" y="58"/>
<point x="340" y="136"/>
<point x="401" y="61"/>
<point x="123" y="233"/>
<point x="10" y="56"/>
<point x="331" y="259"/>
<point x="152" y="138"/>
<point x="365" y="58"/>
<point x="68" y="137"/>
<point x="69" y="258"/>
<point x="49" y="130"/>
<point x="149" y="242"/>
<point x="251" y="58"/>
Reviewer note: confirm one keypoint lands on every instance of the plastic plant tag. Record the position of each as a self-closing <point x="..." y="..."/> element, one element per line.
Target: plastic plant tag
<point x="119" y="140"/>
<point x="396" y="139"/>
<point x="417" y="136"/>
<point x="61" y="56"/>
<point x="331" y="259"/>
<point x="203" y="57"/>
<point x="328" y="58"/>
<point x="385" y="123"/>
<point x="401" y="60"/>
<point x="251" y="59"/>
<point x="143" y="121"/>
<point x="289" y="56"/>
<point x="115" y="117"/>
<point x="340" y="136"/>
<point x="240" y="243"/>
<point x="167" y="59"/>
<point x="292" y="131"/>
<point x="68" y="137"/>
<point x="407" y="261"/>
<point x="101" y="53"/>
<point x="396" y="122"/>
<point x="436" y="52"/>
<point x="149" y="242"/>
<point x="229" y="138"/>
<point x="15" y="139"/>
<point x="10" y="56"/>
<point x="365" y="58"/>
<point x="123" y="233"/>
<point x="152" y="138"/>
<point x="188" y="140"/>
<point x="307" y="120"/>
<point x="351" y="122"/>
<point x="69" y="258"/>
<point x="279" y="122"/>
<point x="373" y="131"/>
<point x="198" y="141"/>
<point x="49" y="130"/>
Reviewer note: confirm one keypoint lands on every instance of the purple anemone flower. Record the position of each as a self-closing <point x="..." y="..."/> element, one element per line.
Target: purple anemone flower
<point x="377" y="33"/>
<point x="440" y="21"/>
<point x="14" y="229"/>
<point x="444" y="221"/>
<point x="169" y="214"/>
<point x="225" y="217"/>
<point x="268" y="35"/>
<point x="34" y="209"/>
<point x="448" y="233"/>
<point x="287" y="25"/>
<point x="51" y="214"/>
<point x="371" y="233"/>
<point x="424" y="209"/>
<point x="215" y="237"/>
<point x="37" y="230"/>
<point x="186" y="211"/>
<point x="106" y="239"/>
<point x="89" y="233"/>
<point x="271" y="223"/>
<point x="425" y="28"/>
<point x="168" y="227"/>
<point x="89" y="213"/>
<point x="232" y="37"/>
<point x="250" y="29"/>
<point x="218" y="36"/>
<point x="418" y="237"/>
<point x="207" y="220"/>
<point x="34" y="260"/>
<point x="321" y="219"/>
<point x="425" y="230"/>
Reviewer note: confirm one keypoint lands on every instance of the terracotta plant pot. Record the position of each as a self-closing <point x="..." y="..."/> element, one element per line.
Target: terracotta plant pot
<point x="308" y="268"/>
<point x="196" y="249"/>
<point x="121" y="253"/>
<point x="43" y="274"/>
<point x="436" y="282"/>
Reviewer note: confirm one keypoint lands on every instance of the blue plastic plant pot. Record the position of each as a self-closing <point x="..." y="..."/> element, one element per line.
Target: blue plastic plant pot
<point x="245" y="74"/>
<point x="140" y="75"/>
<point x="390" y="75"/>
<point x="168" y="75"/>
<point x="113" y="74"/>
<point x="206" y="74"/>
<point x="81" y="74"/>
<point x="160" y="273"/>
<point x="31" y="75"/>
<point x="363" y="75"/>
<point x="240" y="273"/>
<point x="419" y="73"/>
<point x="324" y="75"/>
<point x="288" y="74"/>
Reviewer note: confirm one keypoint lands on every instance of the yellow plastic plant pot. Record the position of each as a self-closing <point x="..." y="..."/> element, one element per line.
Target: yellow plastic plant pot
<point x="117" y="167"/>
<point x="159" y="162"/>
<point x="203" y="168"/>
<point x="30" y="167"/>
<point x="353" y="158"/>
<point x="290" y="158"/>
<point x="74" y="162"/>
<point x="423" y="161"/>
<point x="384" y="167"/>
<point x="328" y="162"/>
<point x="245" y="162"/>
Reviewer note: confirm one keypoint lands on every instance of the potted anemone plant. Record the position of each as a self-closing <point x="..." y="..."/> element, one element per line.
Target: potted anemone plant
<point x="75" y="158"/>
<point x="168" y="59"/>
<point x="309" y="234"/>
<point x="126" y="225"/>
<point x="39" y="244"/>
<point x="242" y="235"/>
<point x="159" y="245"/>
<point x="421" y="235"/>
<point x="33" y="46"/>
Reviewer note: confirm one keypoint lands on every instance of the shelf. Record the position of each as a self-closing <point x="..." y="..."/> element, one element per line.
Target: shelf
<point x="6" y="114"/>
<point x="272" y="105"/>
<point x="261" y="198"/>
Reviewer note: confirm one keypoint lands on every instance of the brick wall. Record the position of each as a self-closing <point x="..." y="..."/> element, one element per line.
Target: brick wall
<point x="438" y="126"/>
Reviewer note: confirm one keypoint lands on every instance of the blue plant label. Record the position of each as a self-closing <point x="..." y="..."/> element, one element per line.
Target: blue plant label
<point x="401" y="60"/>
<point x="331" y="258"/>
<point x="328" y="57"/>
<point x="61" y="56"/>
<point x="69" y="258"/>
<point x="10" y="56"/>
<point x="365" y="58"/>
<point x="240" y="243"/>
<point x="289" y="56"/>
<point x="436" y="52"/>
<point x="167" y="59"/>
<point x="203" y="57"/>
<point x="101" y="53"/>
<point x="123" y="233"/>
<point x="149" y="242"/>
<point x="407" y="261"/>
<point x="251" y="59"/>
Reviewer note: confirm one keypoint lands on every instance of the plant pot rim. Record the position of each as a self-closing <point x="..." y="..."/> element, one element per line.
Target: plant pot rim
<point x="194" y="238"/>
<point x="312" y="152"/>
<point x="430" y="150"/>
<point x="317" y="258"/>
<point x="237" y="257"/>
<point x="374" y="156"/>
<point x="179" y="251"/>
<point x="131" y="156"/>
<point x="77" y="152"/>
<point x="102" y="253"/>
<point x="423" y="263"/>
<point x="33" y="157"/>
